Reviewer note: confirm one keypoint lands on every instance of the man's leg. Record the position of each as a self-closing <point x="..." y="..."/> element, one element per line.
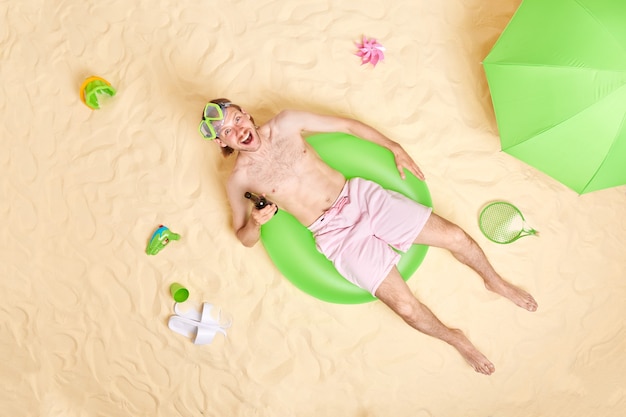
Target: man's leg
<point x="396" y="294"/>
<point x="441" y="233"/>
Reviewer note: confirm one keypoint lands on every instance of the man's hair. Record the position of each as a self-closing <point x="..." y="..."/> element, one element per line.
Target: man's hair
<point x="227" y="150"/>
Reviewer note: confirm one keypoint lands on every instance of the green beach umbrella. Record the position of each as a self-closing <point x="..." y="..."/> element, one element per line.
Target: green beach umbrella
<point x="557" y="77"/>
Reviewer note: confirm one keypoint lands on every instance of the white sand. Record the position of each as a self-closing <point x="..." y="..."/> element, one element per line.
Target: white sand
<point x="84" y="310"/>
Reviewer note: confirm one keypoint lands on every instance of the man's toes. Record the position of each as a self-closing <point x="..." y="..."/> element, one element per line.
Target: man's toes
<point x="485" y="368"/>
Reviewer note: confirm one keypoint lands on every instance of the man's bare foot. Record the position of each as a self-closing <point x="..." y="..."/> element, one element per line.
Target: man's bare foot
<point x="513" y="293"/>
<point x="477" y="360"/>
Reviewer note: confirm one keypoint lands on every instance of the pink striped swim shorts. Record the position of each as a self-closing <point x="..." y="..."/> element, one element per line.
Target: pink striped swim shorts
<point x="362" y="228"/>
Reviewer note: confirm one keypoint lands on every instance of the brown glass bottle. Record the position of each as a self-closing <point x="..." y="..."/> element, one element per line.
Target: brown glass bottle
<point x="258" y="200"/>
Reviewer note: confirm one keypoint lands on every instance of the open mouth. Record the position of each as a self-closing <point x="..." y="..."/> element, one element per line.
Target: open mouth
<point x="248" y="139"/>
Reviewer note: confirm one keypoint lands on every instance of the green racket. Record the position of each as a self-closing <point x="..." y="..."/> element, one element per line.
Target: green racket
<point x="502" y="222"/>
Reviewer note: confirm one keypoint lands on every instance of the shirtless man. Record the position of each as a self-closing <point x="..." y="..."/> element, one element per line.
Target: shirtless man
<point x="274" y="160"/>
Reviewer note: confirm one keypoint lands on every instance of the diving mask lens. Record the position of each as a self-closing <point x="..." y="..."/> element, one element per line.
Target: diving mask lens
<point x="212" y="112"/>
<point x="207" y="130"/>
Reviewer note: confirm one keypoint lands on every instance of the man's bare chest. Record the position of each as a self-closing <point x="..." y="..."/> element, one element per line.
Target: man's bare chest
<point x="278" y="166"/>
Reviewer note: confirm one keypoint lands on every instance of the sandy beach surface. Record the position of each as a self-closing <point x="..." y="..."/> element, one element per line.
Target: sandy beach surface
<point x="84" y="311"/>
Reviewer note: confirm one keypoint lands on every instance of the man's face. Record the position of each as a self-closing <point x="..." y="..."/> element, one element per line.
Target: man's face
<point x="238" y="131"/>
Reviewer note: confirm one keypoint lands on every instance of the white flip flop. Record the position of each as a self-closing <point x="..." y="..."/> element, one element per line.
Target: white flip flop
<point x="199" y="325"/>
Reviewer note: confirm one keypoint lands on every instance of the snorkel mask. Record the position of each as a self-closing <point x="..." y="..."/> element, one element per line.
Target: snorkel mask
<point x="212" y="119"/>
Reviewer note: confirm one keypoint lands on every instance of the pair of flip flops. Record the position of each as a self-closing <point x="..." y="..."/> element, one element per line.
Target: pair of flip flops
<point x="200" y="326"/>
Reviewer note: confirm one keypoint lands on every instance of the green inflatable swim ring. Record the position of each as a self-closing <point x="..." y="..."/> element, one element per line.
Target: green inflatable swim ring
<point x="291" y="246"/>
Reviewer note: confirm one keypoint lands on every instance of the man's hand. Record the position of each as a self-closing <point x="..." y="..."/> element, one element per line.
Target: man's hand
<point x="403" y="160"/>
<point x="250" y="233"/>
<point x="264" y="215"/>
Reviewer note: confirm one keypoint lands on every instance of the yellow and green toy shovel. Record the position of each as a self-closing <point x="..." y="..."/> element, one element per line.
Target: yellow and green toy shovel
<point x="93" y="89"/>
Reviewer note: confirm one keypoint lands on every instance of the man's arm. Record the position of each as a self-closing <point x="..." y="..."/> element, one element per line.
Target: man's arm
<point x="304" y="121"/>
<point x="247" y="223"/>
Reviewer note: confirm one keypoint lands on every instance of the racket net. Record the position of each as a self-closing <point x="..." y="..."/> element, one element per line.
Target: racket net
<point x="502" y="222"/>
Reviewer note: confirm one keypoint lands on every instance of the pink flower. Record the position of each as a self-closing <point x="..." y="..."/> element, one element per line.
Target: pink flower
<point x="370" y="51"/>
